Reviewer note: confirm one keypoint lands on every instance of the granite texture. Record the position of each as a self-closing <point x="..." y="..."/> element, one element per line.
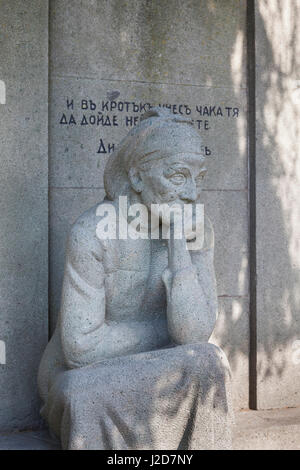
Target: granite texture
<point x="170" y="42"/>
<point x="231" y="335"/>
<point x="136" y="312"/>
<point x="178" y="398"/>
<point x="278" y="195"/>
<point x="75" y="133"/>
<point x="23" y="208"/>
<point x="204" y="67"/>
<point x="277" y="429"/>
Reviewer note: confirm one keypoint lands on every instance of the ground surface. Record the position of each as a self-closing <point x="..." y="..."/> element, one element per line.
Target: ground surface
<point x="254" y="430"/>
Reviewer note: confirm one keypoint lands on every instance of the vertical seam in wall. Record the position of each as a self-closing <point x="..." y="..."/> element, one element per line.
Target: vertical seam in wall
<point x="49" y="319"/>
<point x="251" y="92"/>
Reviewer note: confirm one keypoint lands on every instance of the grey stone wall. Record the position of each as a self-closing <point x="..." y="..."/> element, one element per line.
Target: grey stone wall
<point x="278" y="208"/>
<point x="23" y="208"/>
<point x="121" y="55"/>
<point x="190" y="55"/>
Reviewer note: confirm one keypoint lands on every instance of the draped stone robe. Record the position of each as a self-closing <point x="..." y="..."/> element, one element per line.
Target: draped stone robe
<point x="111" y="378"/>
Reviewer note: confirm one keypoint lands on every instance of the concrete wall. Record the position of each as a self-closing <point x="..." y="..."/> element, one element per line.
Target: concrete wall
<point x="23" y="207"/>
<point x="118" y="56"/>
<point x="187" y="53"/>
<point x="278" y="202"/>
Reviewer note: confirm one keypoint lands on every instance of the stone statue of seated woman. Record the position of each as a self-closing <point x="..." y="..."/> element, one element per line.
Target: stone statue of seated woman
<point x="129" y="365"/>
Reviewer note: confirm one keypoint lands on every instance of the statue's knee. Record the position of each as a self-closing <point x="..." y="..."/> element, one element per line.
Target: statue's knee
<point x="218" y="363"/>
<point x="209" y="361"/>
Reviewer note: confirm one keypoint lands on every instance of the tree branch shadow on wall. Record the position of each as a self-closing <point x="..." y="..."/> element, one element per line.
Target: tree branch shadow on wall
<point x="278" y="228"/>
<point x="278" y="234"/>
<point x="282" y="281"/>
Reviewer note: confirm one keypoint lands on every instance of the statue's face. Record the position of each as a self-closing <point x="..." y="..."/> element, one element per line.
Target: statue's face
<point x="173" y="180"/>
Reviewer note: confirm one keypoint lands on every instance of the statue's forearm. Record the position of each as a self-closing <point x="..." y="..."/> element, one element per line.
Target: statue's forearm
<point x="191" y="312"/>
<point x="191" y="309"/>
<point x="113" y="339"/>
<point x="106" y="341"/>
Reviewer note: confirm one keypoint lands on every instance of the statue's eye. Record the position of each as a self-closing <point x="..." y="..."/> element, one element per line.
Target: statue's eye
<point x="200" y="177"/>
<point x="177" y="178"/>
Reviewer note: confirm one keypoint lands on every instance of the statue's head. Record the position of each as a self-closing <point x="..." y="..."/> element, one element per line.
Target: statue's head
<point x="160" y="160"/>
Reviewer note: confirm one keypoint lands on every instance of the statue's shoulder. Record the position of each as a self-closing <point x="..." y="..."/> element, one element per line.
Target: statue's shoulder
<point x="84" y="226"/>
<point x="209" y="236"/>
<point x="83" y="236"/>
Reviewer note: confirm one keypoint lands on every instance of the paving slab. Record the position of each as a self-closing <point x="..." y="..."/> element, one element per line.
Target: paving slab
<point x="268" y="430"/>
<point x="253" y="430"/>
<point x="29" y="440"/>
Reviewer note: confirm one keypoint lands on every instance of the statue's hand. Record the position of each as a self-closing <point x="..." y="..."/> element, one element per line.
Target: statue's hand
<point x="178" y="255"/>
<point x="179" y="264"/>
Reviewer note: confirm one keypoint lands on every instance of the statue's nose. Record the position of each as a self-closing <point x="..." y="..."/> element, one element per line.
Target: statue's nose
<point x="189" y="194"/>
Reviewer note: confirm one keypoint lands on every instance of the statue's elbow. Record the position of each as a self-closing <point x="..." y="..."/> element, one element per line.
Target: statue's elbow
<point x="72" y="351"/>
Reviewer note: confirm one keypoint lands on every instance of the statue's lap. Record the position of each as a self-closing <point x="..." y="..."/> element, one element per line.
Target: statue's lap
<point x="139" y="396"/>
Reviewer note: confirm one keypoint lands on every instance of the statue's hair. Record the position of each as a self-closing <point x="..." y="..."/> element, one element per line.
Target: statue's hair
<point x="136" y="149"/>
